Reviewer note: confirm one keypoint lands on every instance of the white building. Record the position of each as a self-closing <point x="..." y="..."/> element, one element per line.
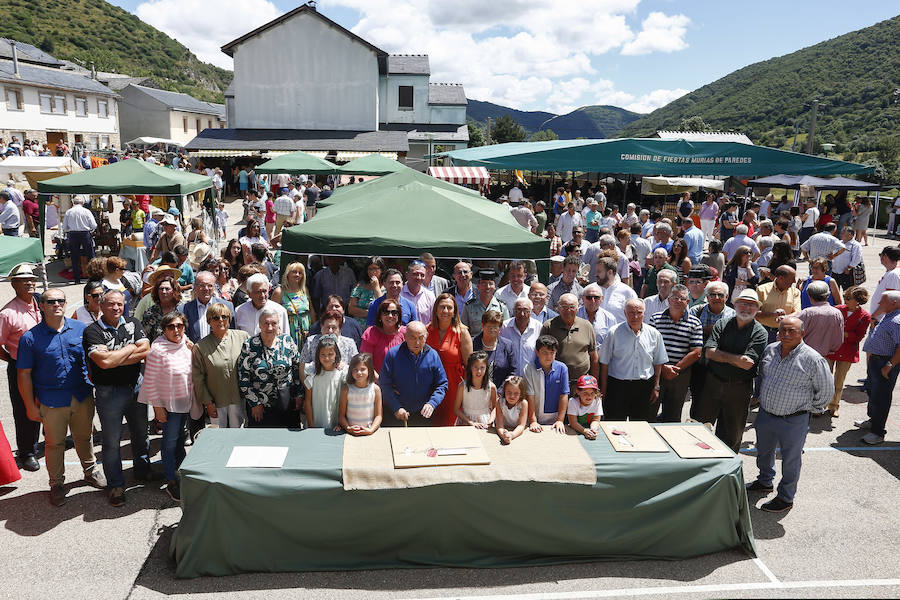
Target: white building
<point x="150" y="112"/>
<point x="303" y="82"/>
<point x="45" y="103"/>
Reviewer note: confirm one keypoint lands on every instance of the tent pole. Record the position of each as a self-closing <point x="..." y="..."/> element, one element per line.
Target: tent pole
<point x="877" y="200"/>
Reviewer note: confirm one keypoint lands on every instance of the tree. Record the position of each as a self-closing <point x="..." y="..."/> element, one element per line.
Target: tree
<point x="880" y="175"/>
<point x="888" y="150"/>
<point x="507" y="130"/>
<point x="544" y="135"/>
<point x="695" y="123"/>
<point x="476" y="134"/>
<point x="47" y="45"/>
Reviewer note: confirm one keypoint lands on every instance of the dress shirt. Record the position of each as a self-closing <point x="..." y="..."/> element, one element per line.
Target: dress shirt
<point x="474" y="309"/>
<point x="889" y="281"/>
<point x="283" y="205"/>
<point x="707" y="317"/>
<point x="653" y="305"/>
<point x="772" y="299"/>
<point x="566" y="223"/>
<point x="799" y="381"/>
<point x="632" y="356"/>
<point x="201" y="319"/>
<point x="424" y="301"/>
<point x="523" y="342"/>
<point x="850" y="258"/>
<point x="603" y="321"/>
<point x="642" y="247"/>
<point x="822" y="245"/>
<point x="16" y="318"/>
<point x="78" y="218"/>
<point x="647" y="228"/>
<point x="614" y="298"/>
<point x="885" y="338"/>
<point x="694" y="239"/>
<point x="823" y="328"/>
<point x="9" y="215"/>
<point x="558" y="288"/>
<point x="246" y="317"/>
<point x="734" y="242"/>
<point x="59" y="368"/>
<point x="507" y="296"/>
<point x="544" y="315"/>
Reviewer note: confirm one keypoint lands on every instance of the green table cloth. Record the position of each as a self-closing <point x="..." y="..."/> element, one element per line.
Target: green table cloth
<point x="299" y="517"/>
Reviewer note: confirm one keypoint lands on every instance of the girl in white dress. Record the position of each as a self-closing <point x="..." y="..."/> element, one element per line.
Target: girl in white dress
<point x="513" y="410"/>
<point x="323" y="381"/>
<point x="360" y="410"/>
<point x="476" y="401"/>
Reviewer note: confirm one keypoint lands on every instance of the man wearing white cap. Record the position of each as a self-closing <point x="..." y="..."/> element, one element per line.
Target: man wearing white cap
<point x="169" y="239"/>
<point x="78" y="223"/>
<point x="18" y="316"/>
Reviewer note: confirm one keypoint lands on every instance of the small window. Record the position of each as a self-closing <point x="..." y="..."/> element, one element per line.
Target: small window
<point x="81" y="109"/>
<point x="104" y="141"/>
<point x="59" y="104"/>
<point x="46" y="103"/>
<point x="14" y="99"/>
<point x="103" y="109"/>
<point x="405" y="94"/>
<point x="94" y="143"/>
<point x="199" y="126"/>
<point x="184" y="123"/>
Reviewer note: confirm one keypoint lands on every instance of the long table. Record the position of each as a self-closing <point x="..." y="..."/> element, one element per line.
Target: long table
<point x="300" y="518"/>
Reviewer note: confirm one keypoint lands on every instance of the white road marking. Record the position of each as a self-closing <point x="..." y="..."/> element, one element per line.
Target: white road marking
<point x="762" y="567"/>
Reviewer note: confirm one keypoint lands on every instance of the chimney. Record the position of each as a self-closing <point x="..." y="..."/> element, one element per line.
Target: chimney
<point x="15" y="58"/>
<point x="93" y="71"/>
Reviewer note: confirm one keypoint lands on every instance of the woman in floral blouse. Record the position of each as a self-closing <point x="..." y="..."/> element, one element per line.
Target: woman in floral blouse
<point x="269" y="375"/>
<point x="166" y="296"/>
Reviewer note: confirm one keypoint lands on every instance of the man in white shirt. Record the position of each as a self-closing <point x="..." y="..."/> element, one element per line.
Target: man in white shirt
<point x="246" y="316"/>
<point x="591" y="311"/>
<point x="615" y="293"/>
<point x="737" y="240"/>
<point x="78" y="223"/>
<point x="523" y="330"/>
<point x="567" y="221"/>
<point x="810" y="218"/>
<point x="9" y="215"/>
<point x="284" y="209"/>
<point x="282" y="179"/>
<point x="515" y="194"/>
<point x="766" y="206"/>
<point x="416" y="292"/>
<point x="630" y="218"/>
<point x="823" y="244"/>
<point x="890" y="260"/>
<point x="516" y="287"/>
<point x="665" y="281"/>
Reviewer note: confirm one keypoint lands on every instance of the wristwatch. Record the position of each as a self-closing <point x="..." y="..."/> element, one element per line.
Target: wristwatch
<point x="656" y="387"/>
<point x="889" y="364"/>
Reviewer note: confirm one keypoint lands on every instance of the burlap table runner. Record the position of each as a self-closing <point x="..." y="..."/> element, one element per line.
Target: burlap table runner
<point x="547" y="457"/>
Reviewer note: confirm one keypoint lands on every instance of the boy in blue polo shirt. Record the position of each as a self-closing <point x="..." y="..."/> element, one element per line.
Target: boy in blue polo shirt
<point x="546" y="387"/>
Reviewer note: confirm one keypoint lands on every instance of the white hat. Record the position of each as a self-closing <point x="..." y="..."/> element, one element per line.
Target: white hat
<point x="750" y="295"/>
<point x="22" y="271"/>
<point x="198" y="254"/>
<point x="557" y="258"/>
<point x="169" y="219"/>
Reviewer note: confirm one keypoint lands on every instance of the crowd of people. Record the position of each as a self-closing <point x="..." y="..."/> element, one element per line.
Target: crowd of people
<point x="639" y="315"/>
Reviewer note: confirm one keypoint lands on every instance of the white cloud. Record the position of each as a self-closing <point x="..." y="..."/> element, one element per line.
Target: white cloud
<point x="660" y="33"/>
<point x="205" y="28"/>
<point x="655" y="99"/>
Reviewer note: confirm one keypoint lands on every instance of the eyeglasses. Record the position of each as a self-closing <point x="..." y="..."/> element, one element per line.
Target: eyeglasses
<point x="52" y="301"/>
<point x="218" y="318"/>
<point x="175" y="326"/>
<point x="593" y="297"/>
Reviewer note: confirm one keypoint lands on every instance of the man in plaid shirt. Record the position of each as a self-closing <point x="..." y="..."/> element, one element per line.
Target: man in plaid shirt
<point x="796" y="381"/>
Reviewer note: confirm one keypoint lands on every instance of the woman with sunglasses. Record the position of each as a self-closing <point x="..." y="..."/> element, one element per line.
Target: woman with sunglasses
<point x="225" y="282"/>
<point x="386" y="333"/>
<point x="168" y="388"/>
<point x="89" y="312"/>
<point x="214" y="369"/>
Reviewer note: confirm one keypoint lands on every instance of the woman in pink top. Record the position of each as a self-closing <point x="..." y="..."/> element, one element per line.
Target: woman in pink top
<point x="385" y="333"/>
<point x="168" y="388"/>
<point x="270" y="215"/>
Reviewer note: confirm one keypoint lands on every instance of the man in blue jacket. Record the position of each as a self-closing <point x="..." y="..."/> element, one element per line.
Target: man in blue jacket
<point x="412" y="379"/>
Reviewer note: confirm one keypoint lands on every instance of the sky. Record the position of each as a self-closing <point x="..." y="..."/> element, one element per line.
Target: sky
<point x="547" y="55"/>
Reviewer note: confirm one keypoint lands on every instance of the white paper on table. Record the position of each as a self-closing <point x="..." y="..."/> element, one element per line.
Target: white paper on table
<point x="271" y="457"/>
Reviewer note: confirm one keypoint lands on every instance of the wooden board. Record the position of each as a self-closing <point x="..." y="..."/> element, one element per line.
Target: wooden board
<point x="638" y="433"/>
<point x="683" y="442"/>
<point x="410" y="447"/>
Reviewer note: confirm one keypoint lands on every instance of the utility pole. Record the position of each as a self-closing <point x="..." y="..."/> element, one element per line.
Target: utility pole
<point x="796" y="132"/>
<point x="487" y="136"/>
<point x="812" y="127"/>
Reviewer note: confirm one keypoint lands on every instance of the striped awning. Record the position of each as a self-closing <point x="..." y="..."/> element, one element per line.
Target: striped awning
<point x="348" y="156"/>
<point x="277" y="153"/>
<point x="473" y="175"/>
<point x="222" y="153"/>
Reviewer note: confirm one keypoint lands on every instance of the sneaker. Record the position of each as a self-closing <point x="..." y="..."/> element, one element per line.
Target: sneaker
<point x="863" y="424"/>
<point x="758" y="486"/>
<point x="96" y="479"/>
<point x="173" y="489"/>
<point x="117" y="497"/>
<point x="873" y="439"/>
<point x="777" y="505"/>
<point x="57" y="495"/>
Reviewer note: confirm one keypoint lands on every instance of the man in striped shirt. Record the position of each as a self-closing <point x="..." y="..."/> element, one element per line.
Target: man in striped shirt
<point x="682" y="335"/>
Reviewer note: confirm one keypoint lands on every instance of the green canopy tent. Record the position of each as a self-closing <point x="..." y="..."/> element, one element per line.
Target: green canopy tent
<point x="297" y="163"/>
<point x="15" y="250"/>
<point x="413" y="214"/>
<point x="128" y="177"/>
<point x="390" y="181"/>
<point x="650" y="156"/>
<point x="372" y="164"/>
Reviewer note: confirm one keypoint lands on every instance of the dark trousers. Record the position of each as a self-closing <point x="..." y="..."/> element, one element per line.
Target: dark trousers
<point x="805" y="233"/>
<point x="273" y="418"/>
<point x="628" y="400"/>
<point x="415" y="419"/>
<point x="672" y="395"/>
<point x="11" y="231"/>
<point x="880" y="391"/>
<point x="698" y="380"/>
<point x="789" y="434"/>
<point x="80" y="244"/>
<point x="725" y="403"/>
<point x="27" y="431"/>
<point x="844" y="281"/>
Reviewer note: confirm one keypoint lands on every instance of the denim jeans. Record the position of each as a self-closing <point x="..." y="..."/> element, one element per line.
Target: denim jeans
<point x="113" y="402"/>
<point x="880" y="391"/>
<point x="173" y="444"/>
<point x="788" y="433"/>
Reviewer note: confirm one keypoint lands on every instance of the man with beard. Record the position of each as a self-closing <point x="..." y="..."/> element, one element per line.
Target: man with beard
<point x="615" y="293"/>
<point x="733" y="350"/>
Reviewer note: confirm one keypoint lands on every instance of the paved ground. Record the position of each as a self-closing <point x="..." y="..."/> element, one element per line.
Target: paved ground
<point x="840" y="540"/>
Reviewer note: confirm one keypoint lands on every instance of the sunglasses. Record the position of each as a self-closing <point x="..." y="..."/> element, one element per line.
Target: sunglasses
<point x="393" y="313"/>
<point x="218" y="318"/>
<point x="52" y="301"/>
<point x="593" y="297"/>
<point x="95" y="295"/>
<point x="175" y="326"/>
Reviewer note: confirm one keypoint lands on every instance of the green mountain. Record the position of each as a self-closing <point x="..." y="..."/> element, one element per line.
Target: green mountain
<point x="585" y="122"/>
<point x="855" y="76"/>
<point x="85" y="31"/>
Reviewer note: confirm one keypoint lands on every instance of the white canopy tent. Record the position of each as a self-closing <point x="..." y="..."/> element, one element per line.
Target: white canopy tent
<point x="662" y="186"/>
<point x="149" y="141"/>
<point x="16" y="167"/>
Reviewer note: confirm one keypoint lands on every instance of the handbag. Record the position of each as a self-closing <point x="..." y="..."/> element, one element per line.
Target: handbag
<point x="859" y="274"/>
